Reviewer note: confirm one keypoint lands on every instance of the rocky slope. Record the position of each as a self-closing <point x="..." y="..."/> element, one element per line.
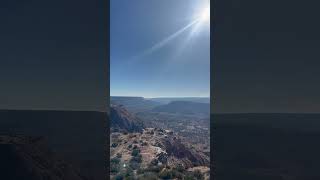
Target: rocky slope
<point x="122" y="120"/>
<point x="154" y="148"/>
<point x="151" y="153"/>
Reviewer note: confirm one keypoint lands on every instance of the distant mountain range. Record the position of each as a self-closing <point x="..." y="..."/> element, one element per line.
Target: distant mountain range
<point x="134" y="104"/>
<point x="165" y="100"/>
<point x="184" y="107"/>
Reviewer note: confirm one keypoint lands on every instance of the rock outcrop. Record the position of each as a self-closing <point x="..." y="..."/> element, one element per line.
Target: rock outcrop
<point x="122" y="120"/>
<point x="177" y="149"/>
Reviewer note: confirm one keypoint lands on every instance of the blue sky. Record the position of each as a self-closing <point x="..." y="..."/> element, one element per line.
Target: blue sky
<point x="145" y="61"/>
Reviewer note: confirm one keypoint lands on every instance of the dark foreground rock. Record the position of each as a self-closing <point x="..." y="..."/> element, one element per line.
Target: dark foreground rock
<point x="28" y="158"/>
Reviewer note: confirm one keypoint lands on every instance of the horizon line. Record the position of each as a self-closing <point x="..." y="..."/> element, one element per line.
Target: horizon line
<point x="161" y="96"/>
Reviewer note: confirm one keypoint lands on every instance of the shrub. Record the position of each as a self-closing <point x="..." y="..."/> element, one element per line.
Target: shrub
<point x="134" y="165"/>
<point x="119" y="177"/>
<point x="114" y="168"/>
<point x="194" y="175"/>
<point x="140" y="171"/>
<point x="180" y="168"/>
<point x="137" y="158"/>
<point x="197" y="174"/>
<point x="188" y="177"/>
<point x="170" y="174"/>
<point x="129" y="173"/>
<point x="166" y="174"/>
<point x="115" y="160"/>
<point x="148" y="176"/>
<point x="154" y="162"/>
<point x="119" y="155"/>
<point x="114" y="165"/>
<point x="176" y="174"/>
<point x="114" y="145"/>
<point x="155" y="169"/>
<point x="135" y="152"/>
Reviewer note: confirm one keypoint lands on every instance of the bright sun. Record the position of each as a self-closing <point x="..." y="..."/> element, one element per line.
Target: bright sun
<point x="205" y="15"/>
<point x="202" y="14"/>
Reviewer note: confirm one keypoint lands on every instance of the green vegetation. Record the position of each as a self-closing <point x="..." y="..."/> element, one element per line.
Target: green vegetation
<point x="166" y="174"/>
<point x="156" y="172"/>
<point x="197" y="174"/>
<point x="114" y="145"/>
<point x="119" y="177"/>
<point x="136" y="159"/>
<point x="188" y="177"/>
<point x="128" y="173"/>
<point x="170" y="174"/>
<point x="155" y="169"/>
<point x="135" y="152"/>
<point x="115" y="160"/>
<point x="180" y="168"/>
<point x="148" y="176"/>
<point x="125" y="174"/>
<point x="115" y="165"/>
<point x="154" y="162"/>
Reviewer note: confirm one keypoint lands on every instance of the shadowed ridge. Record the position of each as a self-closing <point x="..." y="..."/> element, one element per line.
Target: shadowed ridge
<point x="122" y="120"/>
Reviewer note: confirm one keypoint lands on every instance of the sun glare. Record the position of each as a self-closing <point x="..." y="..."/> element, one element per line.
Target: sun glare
<point x="205" y="15"/>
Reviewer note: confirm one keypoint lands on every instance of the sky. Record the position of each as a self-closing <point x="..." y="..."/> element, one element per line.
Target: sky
<point x="53" y="54"/>
<point x="157" y="50"/>
<point x="266" y="56"/>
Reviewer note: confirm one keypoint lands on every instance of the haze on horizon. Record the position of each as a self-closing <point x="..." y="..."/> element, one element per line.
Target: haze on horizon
<point x="150" y="97"/>
<point x="160" y="48"/>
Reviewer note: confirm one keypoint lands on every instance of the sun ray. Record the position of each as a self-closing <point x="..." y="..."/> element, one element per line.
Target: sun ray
<point x="203" y="17"/>
<point x="163" y="42"/>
